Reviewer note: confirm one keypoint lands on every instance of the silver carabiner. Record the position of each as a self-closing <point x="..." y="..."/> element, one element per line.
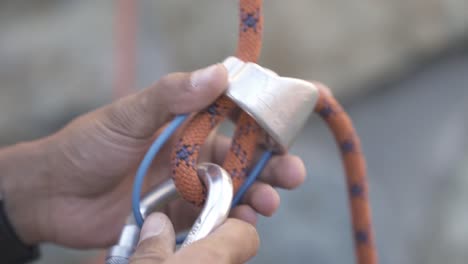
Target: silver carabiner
<point x="214" y="212"/>
<point x="217" y="204"/>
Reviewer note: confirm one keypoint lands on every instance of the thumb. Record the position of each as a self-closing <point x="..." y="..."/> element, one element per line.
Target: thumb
<point x="157" y="240"/>
<point x="234" y="242"/>
<point x="141" y="114"/>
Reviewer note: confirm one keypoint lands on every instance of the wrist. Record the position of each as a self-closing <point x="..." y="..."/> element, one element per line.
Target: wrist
<point x="24" y="188"/>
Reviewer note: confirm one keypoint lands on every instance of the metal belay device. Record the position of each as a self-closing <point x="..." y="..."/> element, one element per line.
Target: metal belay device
<point x="214" y="212"/>
<point x="280" y="105"/>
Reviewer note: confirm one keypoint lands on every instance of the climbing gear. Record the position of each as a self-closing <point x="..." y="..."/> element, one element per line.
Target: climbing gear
<point x="249" y="134"/>
<point x="213" y="214"/>
<point x="261" y="93"/>
<point x="218" y="203"/>
<point x="280" y="105"/>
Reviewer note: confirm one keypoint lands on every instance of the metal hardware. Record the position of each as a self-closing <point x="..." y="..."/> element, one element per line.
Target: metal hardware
<point x="280" y="105"/>
<point x="218" y="203"/>
<point x="130" y="234"/>
<point x="214" y="212"/>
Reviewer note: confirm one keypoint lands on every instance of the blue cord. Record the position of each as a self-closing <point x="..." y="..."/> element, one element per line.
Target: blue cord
<point x="146" y="163"/>
<point x="252" y="177"/>
<point x="181" y="238"/>
<point x="153" y="151"/>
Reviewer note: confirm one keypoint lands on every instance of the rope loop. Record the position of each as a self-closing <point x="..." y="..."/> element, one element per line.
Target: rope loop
<point x="239" y="159"/>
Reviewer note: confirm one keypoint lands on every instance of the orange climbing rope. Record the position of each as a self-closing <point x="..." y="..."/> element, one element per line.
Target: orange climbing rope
<point x="355" y="170"/>
<point x="247" y="134"/>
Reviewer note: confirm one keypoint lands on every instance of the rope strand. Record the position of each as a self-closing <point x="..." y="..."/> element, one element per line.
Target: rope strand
<point x="355" y="171"/>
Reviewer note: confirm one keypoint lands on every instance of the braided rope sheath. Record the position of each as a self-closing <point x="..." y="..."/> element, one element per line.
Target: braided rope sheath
<point x="238" y="160"/>
<point x="185" y="153"/>
<point x="355" y="170"/>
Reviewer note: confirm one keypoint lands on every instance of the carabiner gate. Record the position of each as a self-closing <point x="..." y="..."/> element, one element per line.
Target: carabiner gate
<point x="217" y="204"/>
<point x="214" y="212"/>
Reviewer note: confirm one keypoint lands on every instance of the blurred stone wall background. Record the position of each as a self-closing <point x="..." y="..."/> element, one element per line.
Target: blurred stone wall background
<point x="56" y="55"/>
<point x="56" y="61"/>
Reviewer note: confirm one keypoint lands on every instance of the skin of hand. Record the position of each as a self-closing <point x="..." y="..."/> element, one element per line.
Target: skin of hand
<point x="234" y="242"/>
<point x="73" y="188"/>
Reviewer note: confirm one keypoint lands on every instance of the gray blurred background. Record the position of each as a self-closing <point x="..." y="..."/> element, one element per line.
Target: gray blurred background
<point x="400" y="68"/>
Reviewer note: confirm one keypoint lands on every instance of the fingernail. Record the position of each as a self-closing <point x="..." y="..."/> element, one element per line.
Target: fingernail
<point x="203" y="76"/>
<point x="153" y="226"/>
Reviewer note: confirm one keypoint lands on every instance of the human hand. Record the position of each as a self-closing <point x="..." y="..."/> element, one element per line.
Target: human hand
<point x="73" y="188"/>
<point x="233" y="242"/>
